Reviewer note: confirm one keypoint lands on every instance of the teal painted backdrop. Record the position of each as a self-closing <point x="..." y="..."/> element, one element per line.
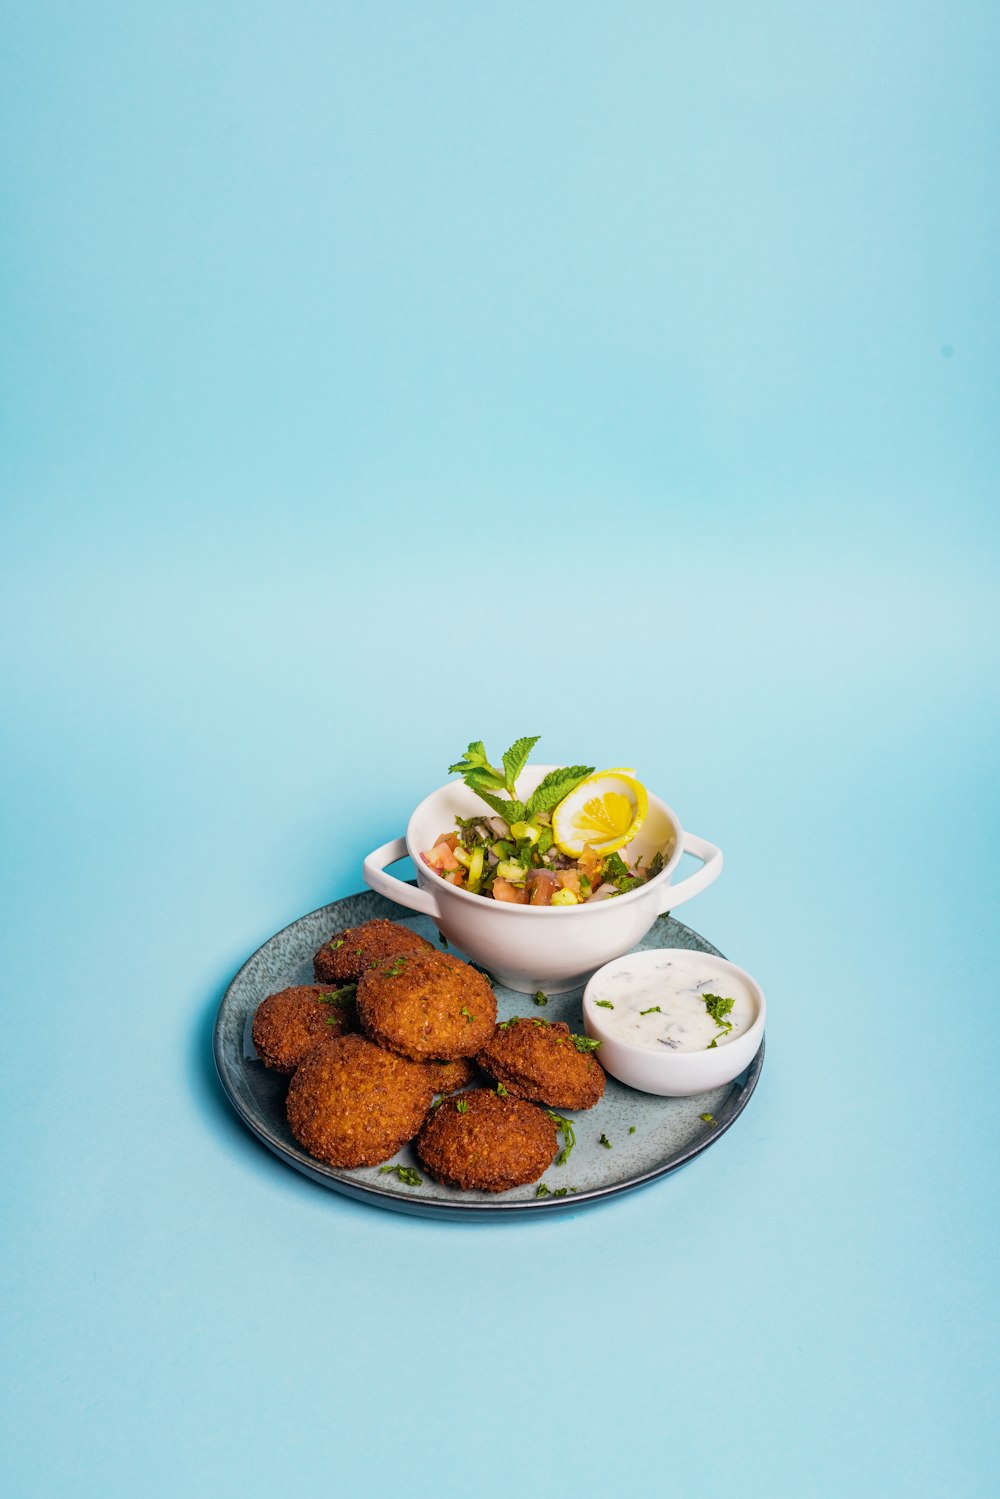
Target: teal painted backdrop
<point x="375" y="378"/>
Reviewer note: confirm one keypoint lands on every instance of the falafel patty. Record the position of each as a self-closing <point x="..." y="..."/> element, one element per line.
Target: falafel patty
<point x="446" y="1077"/>
<point x="479" y="1141"/>
<point x="538" y="1060"/>
<point x="345" y="957"/>
<point x="352" y="1104"/>
<point x="289" y="1024"/>
<point x="427" y="1005"/>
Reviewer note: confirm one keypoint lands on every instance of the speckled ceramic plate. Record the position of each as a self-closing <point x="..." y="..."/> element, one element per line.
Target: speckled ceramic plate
<point x="649" y="1136"/>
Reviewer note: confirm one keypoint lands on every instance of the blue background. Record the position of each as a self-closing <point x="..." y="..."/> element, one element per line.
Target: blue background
<point x="379" y="377"/>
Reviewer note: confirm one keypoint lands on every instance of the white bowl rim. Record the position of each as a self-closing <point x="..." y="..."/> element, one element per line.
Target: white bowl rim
<point x="668" y="1058"/>
<point x="513" y="908"/>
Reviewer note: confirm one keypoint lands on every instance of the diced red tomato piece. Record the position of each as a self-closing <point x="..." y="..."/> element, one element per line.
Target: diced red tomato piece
<point x="542" y="885"/>
<point x="514" y="894"/>
<point x="441" y="858"/>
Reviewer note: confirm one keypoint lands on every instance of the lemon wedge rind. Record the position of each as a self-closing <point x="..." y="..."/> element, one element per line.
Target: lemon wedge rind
<point x="605" y="811"/>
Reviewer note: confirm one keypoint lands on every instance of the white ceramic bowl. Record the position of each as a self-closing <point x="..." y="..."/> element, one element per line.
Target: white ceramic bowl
<point x="538" y="947"/>
<point x="674" y="1074"/>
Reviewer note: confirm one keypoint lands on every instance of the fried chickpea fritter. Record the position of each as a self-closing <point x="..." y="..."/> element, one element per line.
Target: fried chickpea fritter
<point x="289" y="1024"/>
<point x="539" y="1061"/>
<point x="427" y="1005"/>
<point x="352" y="1104"/>
<point x="446" y="1077"/>
<point x="345" y="957"/>
<point x="479" y="1141"/>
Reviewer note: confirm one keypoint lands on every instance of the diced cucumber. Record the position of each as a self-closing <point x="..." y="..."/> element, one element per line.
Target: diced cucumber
<point x="476" y="869"/>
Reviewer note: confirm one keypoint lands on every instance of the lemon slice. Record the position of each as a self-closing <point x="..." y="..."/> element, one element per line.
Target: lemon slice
<point x="606" y="811"/>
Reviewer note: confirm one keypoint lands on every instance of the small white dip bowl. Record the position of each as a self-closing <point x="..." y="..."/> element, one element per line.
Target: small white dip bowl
<point x="674" y="1074"/>
<point x="539" y="947"/>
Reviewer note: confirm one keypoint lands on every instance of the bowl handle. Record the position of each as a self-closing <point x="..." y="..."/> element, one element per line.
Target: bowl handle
<point x="711" y="868"/>
<point x="398" y="890"/>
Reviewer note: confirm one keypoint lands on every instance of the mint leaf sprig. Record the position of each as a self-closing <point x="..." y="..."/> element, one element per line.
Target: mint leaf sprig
<point x="486" y="779"/>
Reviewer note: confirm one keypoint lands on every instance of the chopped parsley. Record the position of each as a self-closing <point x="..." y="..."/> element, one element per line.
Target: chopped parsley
<point x="707" y="1118"/>
<point x="337" y="942"/>
<point x="502" y="1091"/>
<point x="631" y="1129"/>
<point x="342" y="996"/>
<point x="569" y="1135"/>
<point x="653" y="1010"/>
<point x="397" y="967"/>
<point x="604" y="1004"/>
<point x="461" y="1106"/>
<point x="467" y="1013"/>
<point x="542" y="1190"/>
<point x="560" y="1191"/>
<point x="605" y="1142"/>
<point x="718" y="1008"/>
<point x="406" y="1174"/>
<point x="541" y="999"/>
<point x="585" y="1043"/>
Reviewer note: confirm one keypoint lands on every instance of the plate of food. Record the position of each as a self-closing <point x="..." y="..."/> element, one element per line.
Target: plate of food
<point x="370" y="1045"/>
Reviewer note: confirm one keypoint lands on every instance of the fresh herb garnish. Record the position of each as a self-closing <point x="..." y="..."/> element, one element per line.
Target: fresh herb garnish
<point x="397" y="967"/>
<point x="707" y="1118"/>
<point x="486" y="780"/>
<point x="605" y="1142"/>
<point x="561" y="1191"/>
<point x="343" y="996"/>
<point x="336" y="943"/>
<point x="542" y="1190"/>
<point x="653" y="1010"/>
<point x="502" y="1091"/>
<point x="552" y="788"/>
<point x="569" y="1135"/>
<point x="631" y="1129"/>
<point x="461" y="1106"/>
<point x="585" y="1043"/>
<point x="604" y="1004"/>
<point x="541" y="999"/>
<point x="406" y="1174"/>
<point x="718" y="1008"/>
<point x="467" y="1013"/>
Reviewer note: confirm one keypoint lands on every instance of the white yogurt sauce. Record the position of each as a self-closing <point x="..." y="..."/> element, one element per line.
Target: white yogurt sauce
<point x="676" y="984"/>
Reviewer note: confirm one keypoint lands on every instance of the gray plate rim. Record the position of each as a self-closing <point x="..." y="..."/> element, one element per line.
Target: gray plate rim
<point x="743" y="1088"/>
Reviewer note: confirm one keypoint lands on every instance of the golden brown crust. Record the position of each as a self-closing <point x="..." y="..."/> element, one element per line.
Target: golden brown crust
<point x="352" y="1104"/>
<point x="345" y="957"/>
<point x="446" y="1077"/>
<point x="538" y="1061"/>
<point x="289" y="1024"/>
<point x="427" y="1005"/>
<point x="481" y="1142"/>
